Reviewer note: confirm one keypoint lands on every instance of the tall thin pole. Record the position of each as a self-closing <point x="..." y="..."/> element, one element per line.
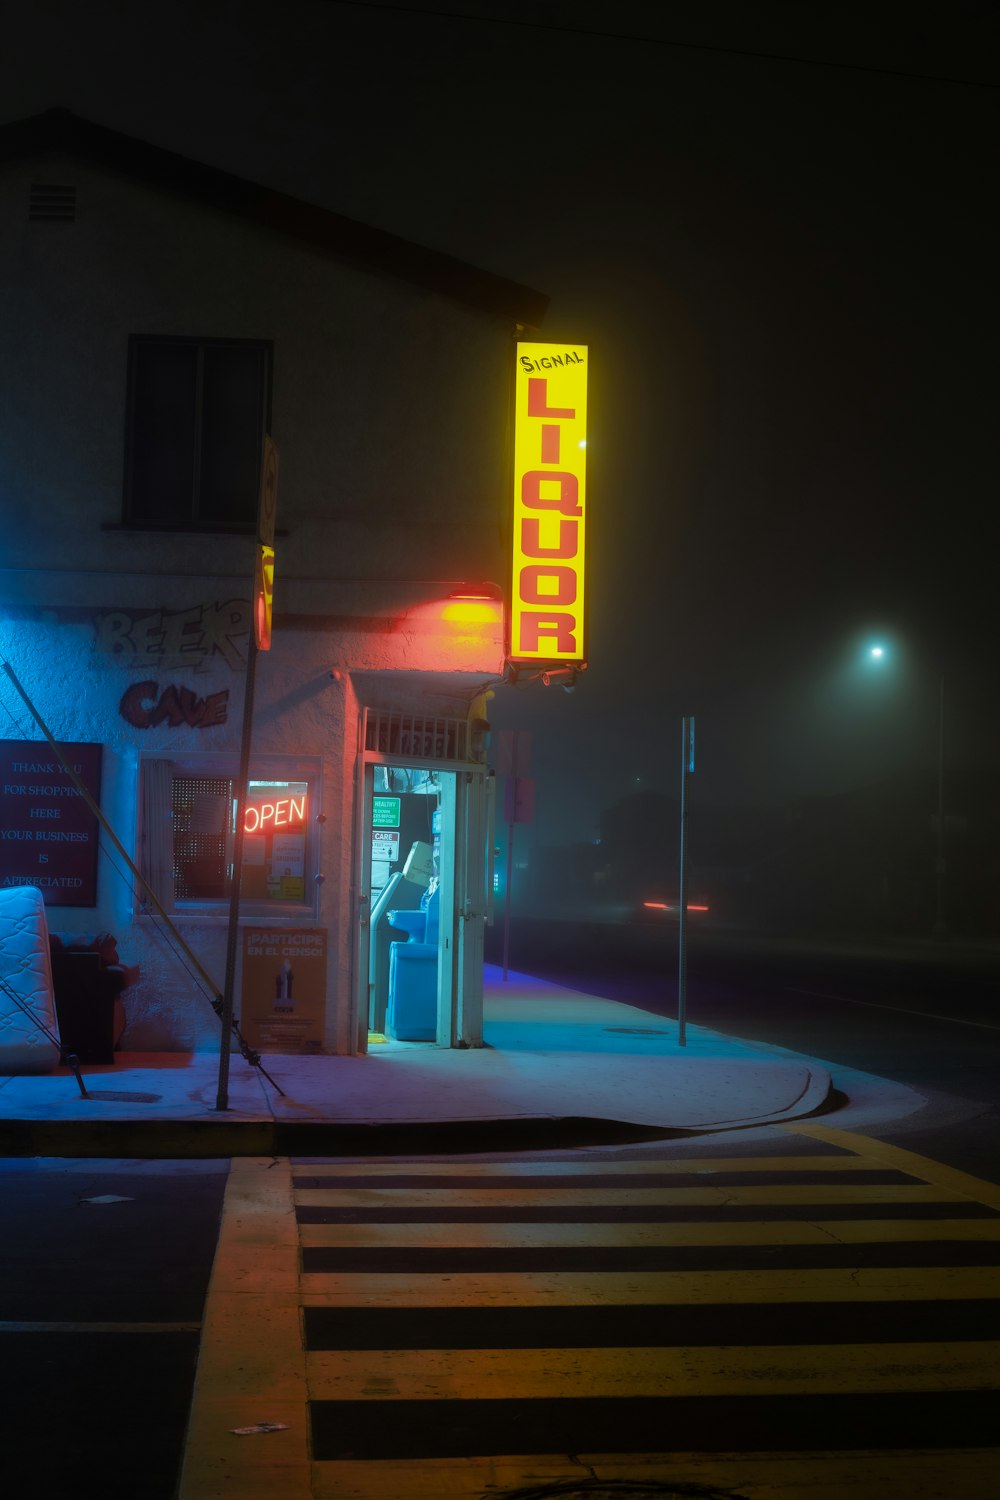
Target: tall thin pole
<point x="687" y="755"/>
<point x="940" y="926"/>
<point x="226" y="1013"/>
<point x="510" y="852"/>
<point x="261" y="585"/>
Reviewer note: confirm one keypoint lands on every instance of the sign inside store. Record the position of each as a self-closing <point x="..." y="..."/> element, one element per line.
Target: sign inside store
<point x="276" y="812"/>
<point x="385" y="844"/>
<point x="385" y="812"/>
<point x="550" y="445"/>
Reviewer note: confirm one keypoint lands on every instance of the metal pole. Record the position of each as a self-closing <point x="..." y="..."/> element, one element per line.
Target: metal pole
<point x="940" y="926"/>
<point x="682" y="914"/>
<point x="510" y="853"/>
<point x="222" y="1097"/>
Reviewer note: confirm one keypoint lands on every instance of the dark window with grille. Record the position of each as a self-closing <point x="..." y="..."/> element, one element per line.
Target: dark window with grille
<point x="197" y="413"/>
<point x="202" y="809"/>
<point x="197" y="861"/>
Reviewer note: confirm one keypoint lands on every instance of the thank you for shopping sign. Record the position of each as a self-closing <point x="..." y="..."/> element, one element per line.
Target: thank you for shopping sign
<point x="48" y="834"/>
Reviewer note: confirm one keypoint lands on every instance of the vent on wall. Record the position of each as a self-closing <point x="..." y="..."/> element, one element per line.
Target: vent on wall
<point x="51" y="201"/>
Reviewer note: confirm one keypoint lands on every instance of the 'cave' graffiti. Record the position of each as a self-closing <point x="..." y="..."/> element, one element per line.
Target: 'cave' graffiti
<point x="144" y="706"/>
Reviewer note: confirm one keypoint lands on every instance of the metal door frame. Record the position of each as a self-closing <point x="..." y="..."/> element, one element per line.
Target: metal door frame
<point x="466" y="893"/>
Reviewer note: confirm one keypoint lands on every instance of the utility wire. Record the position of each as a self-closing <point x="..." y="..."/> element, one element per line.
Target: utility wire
<point x="160" y="927"/>
<point x="250" y="1054"/>
<point x="28" y="1011"/>
<point x="659" y="41"/>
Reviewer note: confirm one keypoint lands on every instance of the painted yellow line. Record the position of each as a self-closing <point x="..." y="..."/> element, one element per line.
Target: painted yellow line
<point x="251" y="1367"/>
<point x="735" y="1232"/>
<point x="957" y="1473"/>
<point x="582" y="1169"/>
<point x="679" y="1288"/>
<point x="682" y="1197"/>
<point x="763" y="1370"/>
<point x="879" y="1153"/>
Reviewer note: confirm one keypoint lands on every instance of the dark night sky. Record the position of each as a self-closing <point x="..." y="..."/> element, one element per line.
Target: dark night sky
<point x="786" y="270"/>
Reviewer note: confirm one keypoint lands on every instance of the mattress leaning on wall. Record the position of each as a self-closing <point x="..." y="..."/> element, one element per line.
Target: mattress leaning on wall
<point x="26" y="968"/>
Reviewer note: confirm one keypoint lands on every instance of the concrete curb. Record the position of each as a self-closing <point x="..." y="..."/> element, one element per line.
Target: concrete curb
<point x="232" y="1136"/>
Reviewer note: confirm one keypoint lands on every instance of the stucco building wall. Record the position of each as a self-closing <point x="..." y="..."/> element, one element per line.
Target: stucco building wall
<point x="389" y="401"/>
<point x="389" y="410"/>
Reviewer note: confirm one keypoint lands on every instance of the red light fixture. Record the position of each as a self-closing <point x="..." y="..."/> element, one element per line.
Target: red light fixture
<point x="476" y="591"/>
<point x="671" y="906"/>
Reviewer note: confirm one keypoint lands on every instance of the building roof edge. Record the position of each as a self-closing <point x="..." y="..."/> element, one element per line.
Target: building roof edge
<point x="307" y="223"/>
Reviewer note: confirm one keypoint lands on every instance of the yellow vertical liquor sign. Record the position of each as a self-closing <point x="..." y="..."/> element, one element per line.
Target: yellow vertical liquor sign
<point x="548" y="602"/>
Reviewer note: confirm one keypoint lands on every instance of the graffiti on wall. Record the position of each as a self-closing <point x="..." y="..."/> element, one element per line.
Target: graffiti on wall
<point x="145" y="707"/>
<point x="173" y="639"/>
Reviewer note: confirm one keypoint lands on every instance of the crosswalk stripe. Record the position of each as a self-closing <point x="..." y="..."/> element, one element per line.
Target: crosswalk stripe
<point x="766" y="1370"/>
<point x="413" y="1182"/>
<point x="621" y="1271"/>
<point x="653" y="1325"/>
<point x="108" y="1327"/>
<point x="739" y="1232"/>
<point x="951" y="1179"/>
<point x="831" y="1160"/>
<point x="686" y="1427"/>
<point x="517" y="1259"/>
<point x="661" y="1173"/>
<point x="846" y="1284"/>
<point x="709" y="1164"/>
<point x="777" y="1193"/>
<point x="921" y="1475"/>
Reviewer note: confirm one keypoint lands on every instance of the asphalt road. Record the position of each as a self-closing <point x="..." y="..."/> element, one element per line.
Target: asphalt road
<point x="106" y="1263"/>
<point x="105" y="1270"/>
<point x="922" y="1015"/>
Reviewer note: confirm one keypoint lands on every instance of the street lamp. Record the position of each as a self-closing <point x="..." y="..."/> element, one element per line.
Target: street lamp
<point x="878" y="653"/>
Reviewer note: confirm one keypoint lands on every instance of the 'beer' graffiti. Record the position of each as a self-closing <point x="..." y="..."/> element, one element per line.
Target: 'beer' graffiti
<point x="183" y="638"/>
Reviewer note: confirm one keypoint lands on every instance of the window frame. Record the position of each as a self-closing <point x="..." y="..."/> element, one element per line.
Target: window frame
<point x="192" y="522"/>
<point x="225" y="765"/>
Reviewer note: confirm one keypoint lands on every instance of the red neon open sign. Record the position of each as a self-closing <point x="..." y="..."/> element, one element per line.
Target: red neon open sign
<point x="279" y="812"/>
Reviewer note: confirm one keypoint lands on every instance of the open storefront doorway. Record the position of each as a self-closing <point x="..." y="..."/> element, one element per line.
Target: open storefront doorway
<point x="425" y="891"/>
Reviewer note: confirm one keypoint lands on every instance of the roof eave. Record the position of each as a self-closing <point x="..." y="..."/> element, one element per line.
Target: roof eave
<point x="306" y="223"/>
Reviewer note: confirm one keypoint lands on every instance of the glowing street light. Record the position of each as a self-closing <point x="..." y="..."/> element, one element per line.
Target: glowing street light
<point x="878" y="653"/>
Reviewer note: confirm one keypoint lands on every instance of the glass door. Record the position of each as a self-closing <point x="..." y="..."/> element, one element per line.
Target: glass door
<point x="424" y="880"/>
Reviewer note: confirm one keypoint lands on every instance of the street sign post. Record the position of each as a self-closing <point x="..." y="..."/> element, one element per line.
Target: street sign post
<point x="687" y="767"/>
<point x="513" y="759"/>
<point x="259" y="639"/>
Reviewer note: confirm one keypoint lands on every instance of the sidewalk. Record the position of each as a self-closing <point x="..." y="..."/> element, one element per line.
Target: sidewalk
<point x="553" y="1058"/>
